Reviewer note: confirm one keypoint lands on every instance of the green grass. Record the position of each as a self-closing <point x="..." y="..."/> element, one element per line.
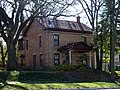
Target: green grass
<point x="35" y="80"/>
<point x="37" y="86"/>
<point x="118" y="73"/>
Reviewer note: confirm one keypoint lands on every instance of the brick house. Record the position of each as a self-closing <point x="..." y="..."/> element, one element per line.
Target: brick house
<point x="50" y="42"/>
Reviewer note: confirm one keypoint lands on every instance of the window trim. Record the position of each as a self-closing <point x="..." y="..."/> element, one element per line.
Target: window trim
<point x="56" y="39"/>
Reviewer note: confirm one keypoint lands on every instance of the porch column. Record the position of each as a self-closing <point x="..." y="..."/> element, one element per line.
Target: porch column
<point x="95" y="63"/>
<point x="70" y="57"/>
<point x="90" y="65"/>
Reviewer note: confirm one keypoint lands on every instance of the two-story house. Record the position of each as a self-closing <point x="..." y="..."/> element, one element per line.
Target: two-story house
<point x="50" y="42"/>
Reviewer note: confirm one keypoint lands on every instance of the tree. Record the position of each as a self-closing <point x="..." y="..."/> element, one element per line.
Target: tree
<point x="112" y="7"/>
<point x="15" y="15"/>
<point x="113" y="21"/>
<point x="3" y="55"/>
<point x="91" y="9"/>
<point x="103" y="39"/>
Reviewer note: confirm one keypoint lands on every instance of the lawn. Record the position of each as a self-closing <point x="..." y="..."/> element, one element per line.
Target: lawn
<point x="118" y="73"/>
<point x="35" y="80"/>
<point x="37" y="86"/>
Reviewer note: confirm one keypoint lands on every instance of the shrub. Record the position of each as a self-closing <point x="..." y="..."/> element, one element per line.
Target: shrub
<point x="66" y="67"/>
<point x="13" y="76"/>
<point x="48" y="69"/>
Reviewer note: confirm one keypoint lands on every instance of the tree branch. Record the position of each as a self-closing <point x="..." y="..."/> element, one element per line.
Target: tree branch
<point x="85" y="11"/>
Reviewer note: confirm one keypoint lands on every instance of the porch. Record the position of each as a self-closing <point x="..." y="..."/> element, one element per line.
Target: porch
<point x="77" y="53"/>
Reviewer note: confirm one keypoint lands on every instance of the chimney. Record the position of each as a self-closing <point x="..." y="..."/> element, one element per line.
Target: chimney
<point x="55" y="22"/>
<point x="78" y="19"/>
<point x="55" y="17"/>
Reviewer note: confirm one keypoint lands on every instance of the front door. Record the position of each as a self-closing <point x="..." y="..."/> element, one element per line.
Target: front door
<point x="82" y="59"/>
<point x="34" y="61"/>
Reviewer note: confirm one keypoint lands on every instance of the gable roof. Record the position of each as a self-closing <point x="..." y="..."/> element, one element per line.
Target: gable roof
<point x="63" y="24"/>
<point x="60" y="25"/>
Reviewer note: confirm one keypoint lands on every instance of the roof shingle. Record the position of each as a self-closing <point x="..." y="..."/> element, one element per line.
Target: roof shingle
<point x="77" y="46"/>
<point x="63" y="24"/>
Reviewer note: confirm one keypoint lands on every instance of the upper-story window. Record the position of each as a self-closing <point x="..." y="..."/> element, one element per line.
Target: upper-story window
<point x="26" y="44"/>
<point x="56" y="40"/>
<point x="83" y="39"/>
<point x="21" y="44"/>
<point x="40" y="41"/>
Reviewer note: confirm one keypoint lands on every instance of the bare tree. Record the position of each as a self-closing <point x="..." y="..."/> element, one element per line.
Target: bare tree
<point x="91" y="9"/>
<point x="15" y="15"/>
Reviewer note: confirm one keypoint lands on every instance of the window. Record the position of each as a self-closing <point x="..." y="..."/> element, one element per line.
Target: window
<point x="56" y="40"/>
<point x="41" y="59"/>
<point x="83" y="39"/>
<point x="27" y="44"/>
<point x="50" y="23"/>
<point x="40" y="41"/>
<point x="56" y="59"/>
<point x="21" y="44"/>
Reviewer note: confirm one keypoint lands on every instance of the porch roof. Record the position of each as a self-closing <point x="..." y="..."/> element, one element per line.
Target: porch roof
<point x="77" y="46"/>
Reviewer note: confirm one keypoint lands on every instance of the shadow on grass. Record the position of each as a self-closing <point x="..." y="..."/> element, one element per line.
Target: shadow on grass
<point x="4" y="76"/>
<point x="118" y="83"/>
<point x="61" y="77"/>
<point x="12" y="86"/>
<point x="40" y="77"/>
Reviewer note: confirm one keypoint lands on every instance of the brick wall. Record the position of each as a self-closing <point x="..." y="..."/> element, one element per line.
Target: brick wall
<point x="33" y="34"/>
<point x="65" y="38"/>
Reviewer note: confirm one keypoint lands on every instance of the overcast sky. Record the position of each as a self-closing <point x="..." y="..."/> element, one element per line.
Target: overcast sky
<point x="77" y="9"/>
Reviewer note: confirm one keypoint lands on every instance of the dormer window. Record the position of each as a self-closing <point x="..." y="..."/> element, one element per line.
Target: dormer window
<point x="50" y="23"/>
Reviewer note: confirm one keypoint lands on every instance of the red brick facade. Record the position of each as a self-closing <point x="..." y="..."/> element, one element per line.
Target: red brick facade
<point x="37" y="56"/>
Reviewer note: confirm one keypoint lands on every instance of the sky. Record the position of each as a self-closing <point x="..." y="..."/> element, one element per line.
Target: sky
<point x="75" y="10"/>
<point x="72" y="11"/>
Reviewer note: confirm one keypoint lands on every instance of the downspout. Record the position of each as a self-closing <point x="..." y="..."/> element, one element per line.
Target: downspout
<point x="24" y="39"/>
<point x="70" y="57"/>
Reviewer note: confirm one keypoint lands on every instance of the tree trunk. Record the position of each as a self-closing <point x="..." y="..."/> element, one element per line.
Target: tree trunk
<point x="11" y="65"/>
<point x="101" y="56"/>
<point x="101" y="50"/>
<point x="97" y="49"/>
<point x="112" y="39"/>
<point x="3" y="59"/>
<point x="97" y="58"/>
